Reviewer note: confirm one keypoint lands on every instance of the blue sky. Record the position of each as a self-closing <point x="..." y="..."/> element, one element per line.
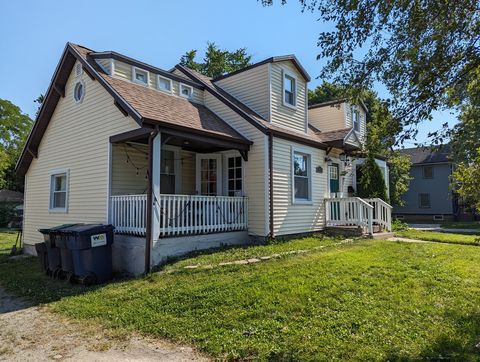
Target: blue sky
<point x="34" y="34"/>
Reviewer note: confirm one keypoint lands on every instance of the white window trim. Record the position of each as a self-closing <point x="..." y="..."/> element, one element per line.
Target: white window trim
<point x="307" y="152"/>
<point x="59" y="210"/>
<point x="79" y="101"/>
<point x="226" y="156"/>
<point x="178" y="166"/>
<point x="218" y="157"/>
<point x="134" y="76"/>
<point x="182" y="85"/>
<point x="167" y="79"/>
<point x="291" y="75"/>
<point x="354" y="109"/>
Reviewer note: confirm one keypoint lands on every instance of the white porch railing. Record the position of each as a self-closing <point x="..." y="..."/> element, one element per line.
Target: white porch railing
<point x="349" y="211"/>
<point x="181" y="214"/>
<point x="127" y="213"/>
<point x="382" y="213"/>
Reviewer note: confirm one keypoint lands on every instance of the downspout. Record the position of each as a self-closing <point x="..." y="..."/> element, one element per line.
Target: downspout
<point x="270" y="175"/>
<point x="148" y="234"/>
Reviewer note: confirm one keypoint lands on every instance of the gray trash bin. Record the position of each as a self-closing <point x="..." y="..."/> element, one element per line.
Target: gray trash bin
<point x="51" y="237"/>
<point x="91" y="248"/>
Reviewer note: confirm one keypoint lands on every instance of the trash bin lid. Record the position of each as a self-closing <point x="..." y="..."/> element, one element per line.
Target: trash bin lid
<point x="82" y="229"/>
<point x="56" y="228"/>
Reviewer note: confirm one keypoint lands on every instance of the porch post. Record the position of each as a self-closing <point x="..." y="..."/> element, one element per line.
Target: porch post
<point x="156" y="160"/>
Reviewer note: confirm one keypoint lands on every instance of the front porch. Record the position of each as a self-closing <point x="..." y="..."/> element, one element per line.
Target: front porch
<point x="171" y="188"/>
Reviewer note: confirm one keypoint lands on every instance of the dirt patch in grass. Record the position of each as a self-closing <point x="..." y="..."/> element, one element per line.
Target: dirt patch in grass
<point x="30" y="333"/>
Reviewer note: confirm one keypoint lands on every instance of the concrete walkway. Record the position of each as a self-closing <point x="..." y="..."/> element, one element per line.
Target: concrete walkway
<point x="408" y="240"/>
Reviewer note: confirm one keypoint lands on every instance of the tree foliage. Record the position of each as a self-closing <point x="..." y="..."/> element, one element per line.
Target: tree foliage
<point x="372" y="183"/>
<point x="14" y="128"/>
<point x="466" y="181"/>
<point x="217" y="61"/>
<point x="424" y="52"/>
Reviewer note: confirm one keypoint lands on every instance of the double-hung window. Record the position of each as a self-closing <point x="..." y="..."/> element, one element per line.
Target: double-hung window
<point x="424" y="201"/>
<point x="234" y="176"/>
<point x="427" y="171"/>
<point x="302" y="174"/>
<point x="59" y="191"/>
<point x="289" y="90"/>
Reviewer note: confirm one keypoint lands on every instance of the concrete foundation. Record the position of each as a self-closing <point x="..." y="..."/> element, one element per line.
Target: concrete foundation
<point x="128" y="255"/>
<point x="169" y="248"/>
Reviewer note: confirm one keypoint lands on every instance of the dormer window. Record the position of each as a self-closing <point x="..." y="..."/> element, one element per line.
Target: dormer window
<point x="140" y="76"/>
<point x="186" y="91"/>
<point x="164" y="84"/>
<point x="356" y="119"/>
<point x="289" y="90"/>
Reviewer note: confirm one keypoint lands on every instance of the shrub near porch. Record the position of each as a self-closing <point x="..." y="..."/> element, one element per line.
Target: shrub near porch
<point x="370" y="300"/>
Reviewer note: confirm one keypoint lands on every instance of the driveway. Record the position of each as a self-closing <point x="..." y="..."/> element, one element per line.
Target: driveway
<point x="437" y="227"/>
<point x="30" y="333"/>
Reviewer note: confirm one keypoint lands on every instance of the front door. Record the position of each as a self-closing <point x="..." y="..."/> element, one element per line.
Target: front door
<point x="209" y="172"/>
<point x="334" y="178"/>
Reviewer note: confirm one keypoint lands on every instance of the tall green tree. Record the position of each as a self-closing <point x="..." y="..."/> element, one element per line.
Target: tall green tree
<point x="217" y="61"/>
<point x="14" y="128"/>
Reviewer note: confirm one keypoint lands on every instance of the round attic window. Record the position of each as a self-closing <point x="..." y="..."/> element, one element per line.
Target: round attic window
<point x="79" y="92"/>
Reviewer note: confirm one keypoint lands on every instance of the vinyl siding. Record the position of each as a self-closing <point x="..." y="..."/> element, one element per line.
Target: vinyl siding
<point x="188" y="172"/>
<point x="282" y="115"/>
<point x="290" y="218"/>
<point x="76" y="139"/>
<point x="327" y="118"/>
<point x="106" y="65"/>
<point x="256" y="168"/>
<point x="125" y="180"/>
<point x="251" y="87"/>
<point x="124" y="71"/>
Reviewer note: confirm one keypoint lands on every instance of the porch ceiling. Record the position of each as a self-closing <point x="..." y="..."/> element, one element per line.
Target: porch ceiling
<point x="188" y="140"/>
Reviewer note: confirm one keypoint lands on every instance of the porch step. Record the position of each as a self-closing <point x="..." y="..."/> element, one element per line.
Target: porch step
<point x="382" y="235"/>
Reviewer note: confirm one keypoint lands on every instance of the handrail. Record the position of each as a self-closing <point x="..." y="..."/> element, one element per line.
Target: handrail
<point x="352" y="198"/>
<point x="381" y="201"/>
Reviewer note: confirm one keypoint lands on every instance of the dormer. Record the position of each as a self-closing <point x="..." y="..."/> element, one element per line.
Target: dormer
<point x="275" y="88"/>
<point x="125" y="68"/>
<point x="339" y="114"/>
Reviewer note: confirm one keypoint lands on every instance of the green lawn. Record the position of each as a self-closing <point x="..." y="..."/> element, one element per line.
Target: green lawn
<point x="7" y="240"/>
<point x="368" y="300"/>
<point x="467" y="239"/>
<point x="461" y="225"/>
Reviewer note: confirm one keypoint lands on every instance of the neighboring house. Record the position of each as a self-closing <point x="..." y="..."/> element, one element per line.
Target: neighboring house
<point x="178" y="161"/>
<point x="429" y="196"/>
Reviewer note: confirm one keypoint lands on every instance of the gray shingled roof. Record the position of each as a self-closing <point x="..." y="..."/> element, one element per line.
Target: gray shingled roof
<point x="427" y="155"/>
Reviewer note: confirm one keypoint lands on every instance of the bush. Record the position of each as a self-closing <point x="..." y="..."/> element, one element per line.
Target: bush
<point x="7" y="212"/>
<point x="372" y="183"/>
<point x="399" y="225"/>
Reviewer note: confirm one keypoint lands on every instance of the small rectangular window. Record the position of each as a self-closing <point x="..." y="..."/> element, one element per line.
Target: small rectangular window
<point x="58" y="191"/>
<point x="289" y="90"/>
<point x="140" y="76"/>
<point x="164" y="84"/>
<point x="424" y="201"/>
<point x="186" y="91"/>
<point x="427" y="171"/>
<point x="356" y="119"/>
<point x="301" y="176"/>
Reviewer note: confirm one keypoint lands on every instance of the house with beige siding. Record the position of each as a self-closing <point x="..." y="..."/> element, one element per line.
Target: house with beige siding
<point x="178" y="161"/>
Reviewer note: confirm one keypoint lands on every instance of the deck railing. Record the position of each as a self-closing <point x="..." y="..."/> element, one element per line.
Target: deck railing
<point x="181" y="214"/>
<point x="349" y="211"/>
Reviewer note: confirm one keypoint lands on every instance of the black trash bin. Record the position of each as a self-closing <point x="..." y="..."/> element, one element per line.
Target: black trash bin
<point x="52" y="237"/>
<point x="41" y="250"/>
<point x="91" y="247"/>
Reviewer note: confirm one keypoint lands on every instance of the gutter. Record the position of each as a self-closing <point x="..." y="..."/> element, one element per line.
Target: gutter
<point x="270" y="176"/>
<point x="148" y="234"/>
